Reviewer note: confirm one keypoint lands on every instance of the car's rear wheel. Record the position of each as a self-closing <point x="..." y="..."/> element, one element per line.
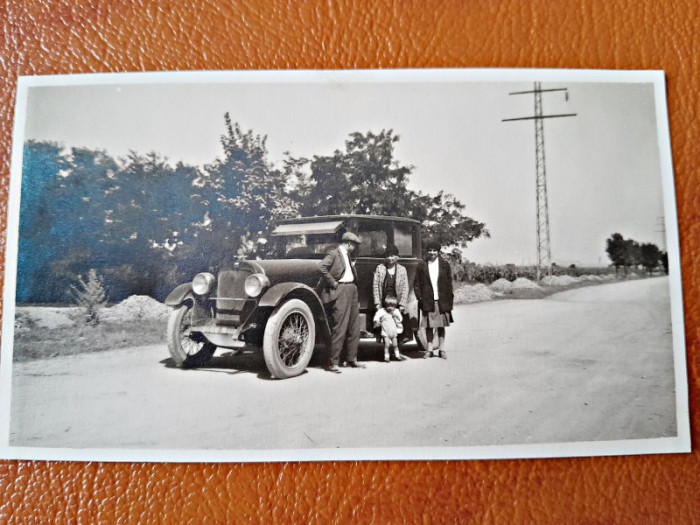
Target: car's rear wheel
<point x="289" y="338"/>
<point x="188" y="349"/>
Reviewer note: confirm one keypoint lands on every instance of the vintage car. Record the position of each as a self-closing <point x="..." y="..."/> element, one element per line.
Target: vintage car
<point x="273" y="303"/>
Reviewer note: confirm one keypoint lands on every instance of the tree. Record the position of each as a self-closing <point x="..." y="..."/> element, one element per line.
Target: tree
<point x="651" y="257"/>
<point x="617" y="249"/>
<point x="42" y="164"/>
<point x="442" y="219"/>
<point x="633" y="254"/>
<point x="629" y="253"/>
<point x="664" y="261"/>
<point x="241" y="195"/>
<point x="145" y="225"/>
<point x="366" y="178"/>
<point x="146" y="216"/>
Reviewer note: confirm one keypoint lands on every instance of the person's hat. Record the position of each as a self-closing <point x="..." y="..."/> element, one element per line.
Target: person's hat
<point x="432" y="245"/>
<point x="262" y="240"/>
<point x="391" y="250"/>
<point x="350" y="237"/>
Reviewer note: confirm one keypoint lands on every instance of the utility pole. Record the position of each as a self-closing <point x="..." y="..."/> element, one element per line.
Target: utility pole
<point x="544" y="252"/>
<point x="661" y="229"/>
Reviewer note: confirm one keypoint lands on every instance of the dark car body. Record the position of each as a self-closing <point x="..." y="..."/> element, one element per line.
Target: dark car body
<point x="228" y="316"/>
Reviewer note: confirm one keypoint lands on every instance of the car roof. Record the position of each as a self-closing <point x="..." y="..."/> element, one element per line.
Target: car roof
<point x="326" y="218"/>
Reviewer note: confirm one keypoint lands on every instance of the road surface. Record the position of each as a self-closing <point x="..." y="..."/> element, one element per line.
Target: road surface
<point x="584" y="365"/>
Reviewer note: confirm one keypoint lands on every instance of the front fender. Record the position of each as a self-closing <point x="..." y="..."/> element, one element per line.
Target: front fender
<point x="177" y="296"/>
<point x="274" y="295"/>
<point x="280" y="292"/>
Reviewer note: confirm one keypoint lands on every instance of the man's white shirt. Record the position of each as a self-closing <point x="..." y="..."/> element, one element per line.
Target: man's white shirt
<point x="347" y="276"/>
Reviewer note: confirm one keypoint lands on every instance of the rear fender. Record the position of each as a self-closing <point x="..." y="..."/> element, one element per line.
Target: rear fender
<point x="284" y="291"/>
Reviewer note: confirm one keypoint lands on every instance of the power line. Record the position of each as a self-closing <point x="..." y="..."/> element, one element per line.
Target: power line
<point x="544" y="252"/>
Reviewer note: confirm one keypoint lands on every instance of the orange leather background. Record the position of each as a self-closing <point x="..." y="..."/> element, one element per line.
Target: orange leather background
<point x="71" y="36"/>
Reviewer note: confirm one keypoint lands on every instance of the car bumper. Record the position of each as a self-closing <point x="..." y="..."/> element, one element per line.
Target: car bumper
<point x="222" y="336"/>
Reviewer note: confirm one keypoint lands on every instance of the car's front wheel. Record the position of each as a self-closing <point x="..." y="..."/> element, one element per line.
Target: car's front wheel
<point x="289" y="338"/>
<point x="188" y="349"/>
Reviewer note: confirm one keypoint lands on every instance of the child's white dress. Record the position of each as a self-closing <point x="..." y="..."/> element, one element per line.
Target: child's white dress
<point x="391" y="323"/>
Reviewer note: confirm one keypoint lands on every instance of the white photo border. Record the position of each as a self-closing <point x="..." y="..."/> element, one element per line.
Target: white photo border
<point x="679" y="444"/>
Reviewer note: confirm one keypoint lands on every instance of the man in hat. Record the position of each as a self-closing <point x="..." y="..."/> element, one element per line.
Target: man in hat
<point x="261" y="249"/>
<point x="338" y="291"/>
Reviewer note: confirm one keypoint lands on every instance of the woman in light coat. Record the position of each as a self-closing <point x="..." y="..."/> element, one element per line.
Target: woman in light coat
<point x="390" y="279"/>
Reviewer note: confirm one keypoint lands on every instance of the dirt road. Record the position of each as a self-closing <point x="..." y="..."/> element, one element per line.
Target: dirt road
<point x="584" y="365"/>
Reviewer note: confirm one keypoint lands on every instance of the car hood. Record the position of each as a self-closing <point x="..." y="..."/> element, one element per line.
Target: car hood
<point x="288" y="270"/>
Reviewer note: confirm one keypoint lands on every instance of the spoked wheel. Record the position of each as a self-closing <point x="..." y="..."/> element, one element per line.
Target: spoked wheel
<point x="188" y="350"/>
<point x="289" y="339"/>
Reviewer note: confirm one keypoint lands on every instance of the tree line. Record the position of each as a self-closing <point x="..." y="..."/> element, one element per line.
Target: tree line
<point x="146" y="225"/>
<point x="628" y="253"/>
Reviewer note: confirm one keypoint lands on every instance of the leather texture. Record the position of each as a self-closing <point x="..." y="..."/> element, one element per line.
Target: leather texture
<point x="71" y="36"/>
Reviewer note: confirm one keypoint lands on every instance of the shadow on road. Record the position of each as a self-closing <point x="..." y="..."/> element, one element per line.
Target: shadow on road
<point x="253" y="362"/>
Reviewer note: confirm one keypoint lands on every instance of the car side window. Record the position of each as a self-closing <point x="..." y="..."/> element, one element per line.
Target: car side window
<point x="374" y="240"/>
<point x="403" y="238"/>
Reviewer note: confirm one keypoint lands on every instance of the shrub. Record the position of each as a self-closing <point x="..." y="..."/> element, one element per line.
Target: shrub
<point x="90" y="296"/>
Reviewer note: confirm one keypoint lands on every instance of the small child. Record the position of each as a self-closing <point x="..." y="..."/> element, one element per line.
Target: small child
<point x="390" y="320"/>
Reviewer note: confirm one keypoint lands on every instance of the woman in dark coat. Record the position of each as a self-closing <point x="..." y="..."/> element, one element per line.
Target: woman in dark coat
<point x="434" y="286"/>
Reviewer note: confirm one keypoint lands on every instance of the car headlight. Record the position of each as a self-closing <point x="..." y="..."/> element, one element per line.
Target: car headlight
<point x="255" y="284"/>
<point x="202" y="283"/>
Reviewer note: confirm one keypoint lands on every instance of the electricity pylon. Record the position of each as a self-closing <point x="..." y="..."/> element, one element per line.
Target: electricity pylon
<point x="544" y="251"/>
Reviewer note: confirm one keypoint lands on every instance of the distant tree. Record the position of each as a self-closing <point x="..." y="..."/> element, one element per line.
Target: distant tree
<point x="664" y="261"/>
<point x="633" y="255"/>
<point x="651" y="257"/>
<point x="628" y="253"/>
<point x="617" y="249"/>
<point x="90" y="295"/>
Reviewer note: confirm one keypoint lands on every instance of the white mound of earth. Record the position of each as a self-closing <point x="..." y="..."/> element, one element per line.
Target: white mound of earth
<point x="559" y="280"/>
<point x="501" y="286"/>
<point x="136" y="307"/>
<point x="522" y="283"/>
<point x="473" y="294"/>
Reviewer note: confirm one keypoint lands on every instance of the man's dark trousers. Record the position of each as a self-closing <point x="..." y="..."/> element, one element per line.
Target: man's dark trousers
<point x="347" y="324"/>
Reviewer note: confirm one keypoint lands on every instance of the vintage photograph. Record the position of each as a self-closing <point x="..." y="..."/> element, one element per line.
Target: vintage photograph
<point x="342" y="265"/>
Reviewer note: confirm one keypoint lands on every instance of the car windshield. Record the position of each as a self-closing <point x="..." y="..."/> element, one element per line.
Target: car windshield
<point x="302" y="246"/>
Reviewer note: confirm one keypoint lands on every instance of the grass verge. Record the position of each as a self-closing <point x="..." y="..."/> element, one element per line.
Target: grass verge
<point x="39" y="342"/>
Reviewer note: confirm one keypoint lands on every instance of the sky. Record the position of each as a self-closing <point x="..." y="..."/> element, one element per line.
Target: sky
<point x="604" y="166"/>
